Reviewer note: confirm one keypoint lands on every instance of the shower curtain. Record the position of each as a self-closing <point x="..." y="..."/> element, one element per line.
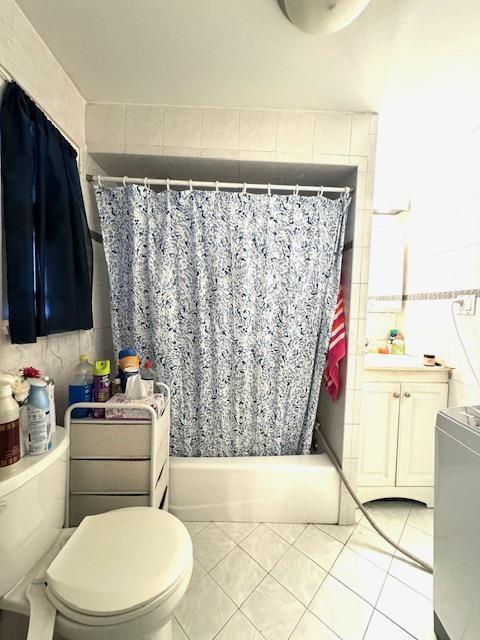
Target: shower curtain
<point x="232" y="296"/>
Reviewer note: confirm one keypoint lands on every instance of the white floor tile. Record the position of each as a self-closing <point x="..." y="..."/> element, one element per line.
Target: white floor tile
<point x="238" y="575"/>
<point x="371" y="546"/>
<point x="421" y="518"/>
<point x="197" y="573"/>
<point x="288" y="532"/>
<point x="265" y="546"/>
<point x="359" y="574"/>
<point x="391" y="521"/>
<point x="341" y="610"/>
<point x="300" y="575"/>
<point x="340" y="532"/>
<point x="381" y="628"/>
<point x="412" y="574"/>
<point x="273" y="610"/>
<point x="237" y="531"/>
<point x="319" y="546"/>
<point x="195" y="527"/>
<point x="239" y="627"/>
<point x="211" y="545"/>
<point x="407" y="608"/>
<point x="273" y="606"/>
<point x="310" y="628"/>
<point x="417" y="542"/>
<point x="204" y="610"/>
<point x="177" y="631"/>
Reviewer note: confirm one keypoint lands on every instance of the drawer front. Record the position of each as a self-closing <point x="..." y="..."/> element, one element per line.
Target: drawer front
<point x="109" y="475"/>
<point x="109" y="440"/>
<point x="89" y="505"/>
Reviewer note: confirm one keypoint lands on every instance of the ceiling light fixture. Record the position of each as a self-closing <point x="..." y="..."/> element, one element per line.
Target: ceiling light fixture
<point x="322" y="16"/>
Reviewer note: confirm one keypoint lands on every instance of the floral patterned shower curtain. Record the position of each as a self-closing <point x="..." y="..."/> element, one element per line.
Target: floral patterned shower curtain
<point x="232" y="296"/>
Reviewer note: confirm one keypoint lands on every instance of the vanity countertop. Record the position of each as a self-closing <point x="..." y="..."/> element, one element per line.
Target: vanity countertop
<point x="398" y="362"/>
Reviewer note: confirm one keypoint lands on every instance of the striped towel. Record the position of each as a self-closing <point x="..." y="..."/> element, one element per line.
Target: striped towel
<point x="336" y="350"/>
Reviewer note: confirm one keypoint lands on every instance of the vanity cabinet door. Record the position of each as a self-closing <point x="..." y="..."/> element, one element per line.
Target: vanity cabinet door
<point x="379" y="434"/>
<point x="416" y="439"/>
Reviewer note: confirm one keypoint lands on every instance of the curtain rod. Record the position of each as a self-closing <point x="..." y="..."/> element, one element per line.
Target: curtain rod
<point x="166" y="182"/>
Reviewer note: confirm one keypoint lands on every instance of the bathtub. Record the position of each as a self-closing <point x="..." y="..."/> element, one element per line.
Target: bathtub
<point x="257" y="489"/>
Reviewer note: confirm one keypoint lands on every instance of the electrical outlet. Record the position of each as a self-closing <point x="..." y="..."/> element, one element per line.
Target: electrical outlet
<point x="468" y="306"/>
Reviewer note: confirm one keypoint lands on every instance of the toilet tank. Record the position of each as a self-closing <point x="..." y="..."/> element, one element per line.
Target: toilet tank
<point x="32" y="509"/>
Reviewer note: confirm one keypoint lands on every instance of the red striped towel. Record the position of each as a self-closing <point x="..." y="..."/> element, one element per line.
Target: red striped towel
<point x="336" y="350"/>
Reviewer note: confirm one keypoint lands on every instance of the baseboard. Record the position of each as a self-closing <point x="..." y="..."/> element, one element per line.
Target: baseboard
<point x="439" y="629"/>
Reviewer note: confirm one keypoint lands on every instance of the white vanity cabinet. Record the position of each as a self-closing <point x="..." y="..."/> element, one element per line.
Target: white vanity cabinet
<point x="400" y="402"/>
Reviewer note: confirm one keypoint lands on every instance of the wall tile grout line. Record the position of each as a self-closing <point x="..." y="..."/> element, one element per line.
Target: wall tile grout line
<point x="429" y="295"/>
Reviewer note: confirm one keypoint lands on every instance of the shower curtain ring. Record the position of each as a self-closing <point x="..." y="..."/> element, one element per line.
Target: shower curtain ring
<point x="216" y="186"/>
<point x="124" y="181"/>
<point x="347" y="191"/>
<point x="99" y="178"/>
<point x="269" y="189"/>
<point x="244" y="190"/>
<point x="145" y="182"/>
<point x="297" y="190"/>
<point x="168" y="184"/>
<point x="191" y="185"/>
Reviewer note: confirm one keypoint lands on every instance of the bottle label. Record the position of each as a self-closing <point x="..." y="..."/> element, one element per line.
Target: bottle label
<point x="9" y="443"/>
<point x="101" y="393"/>
<point x="38" y="431"/>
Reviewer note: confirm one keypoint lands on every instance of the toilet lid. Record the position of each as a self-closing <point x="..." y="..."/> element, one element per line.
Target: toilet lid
<point x="120" y="560"/>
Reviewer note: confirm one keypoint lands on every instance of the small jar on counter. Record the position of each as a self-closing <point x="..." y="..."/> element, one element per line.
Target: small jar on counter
<point x="428" y="360"/>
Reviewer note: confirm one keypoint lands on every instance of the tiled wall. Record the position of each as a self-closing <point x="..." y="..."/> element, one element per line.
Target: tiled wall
<point x="28" y="60"/>
<point x="31" y="63"/>
<point x="271" y="136"/>
<point x="443" y="240"/>
<point x="379" y="324"/>
<point x="246" y="134"/>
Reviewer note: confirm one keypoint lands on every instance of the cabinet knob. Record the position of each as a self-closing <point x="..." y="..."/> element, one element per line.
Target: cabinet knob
<point x="407" y="394"/>
<point x="396" y="394"/>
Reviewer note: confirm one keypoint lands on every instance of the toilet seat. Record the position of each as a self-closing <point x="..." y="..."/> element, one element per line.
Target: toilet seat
<point x="119" y="565"/>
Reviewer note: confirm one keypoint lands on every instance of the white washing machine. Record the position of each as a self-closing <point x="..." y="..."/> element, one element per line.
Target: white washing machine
<point x="457" y="524"/>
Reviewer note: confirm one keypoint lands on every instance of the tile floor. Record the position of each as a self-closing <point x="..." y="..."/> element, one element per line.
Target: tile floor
<point x="310" y="582"/>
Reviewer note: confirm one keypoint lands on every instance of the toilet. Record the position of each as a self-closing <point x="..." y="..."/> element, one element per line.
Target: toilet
<point x="118" y="575"/>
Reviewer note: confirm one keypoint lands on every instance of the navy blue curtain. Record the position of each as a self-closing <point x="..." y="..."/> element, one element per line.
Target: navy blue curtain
<point x="48" y="245"/>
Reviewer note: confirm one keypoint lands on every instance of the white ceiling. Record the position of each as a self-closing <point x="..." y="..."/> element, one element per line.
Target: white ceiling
<point x="245" y="53"/>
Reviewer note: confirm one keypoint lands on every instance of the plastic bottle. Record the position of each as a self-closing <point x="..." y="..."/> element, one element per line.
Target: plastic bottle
<point x="38" y="418"/>
<point x="147" y="375"/>
<point x="80" y="389"/>
<point x="398" y="346"/>
<point x="101" y="385"/>
<point x="51" y="399"/>
<point x="9" y="427"/>
<point x="116" y="386"/>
